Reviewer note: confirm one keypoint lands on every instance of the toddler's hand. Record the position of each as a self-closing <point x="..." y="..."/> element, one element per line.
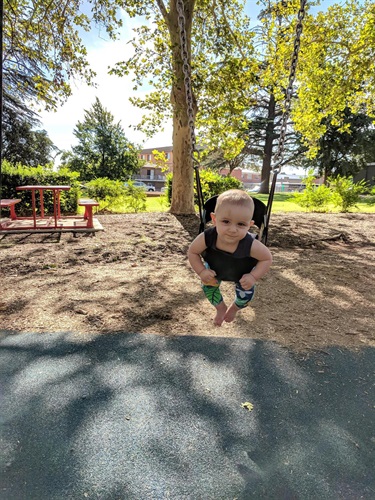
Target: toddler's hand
<point x="247" y="281"/>
<point x="208" y="277"/>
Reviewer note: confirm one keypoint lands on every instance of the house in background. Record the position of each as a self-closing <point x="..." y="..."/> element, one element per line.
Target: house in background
<point x="249" y="178"/>
<point x="367" y="174"/>
<point x="152" y="172"/>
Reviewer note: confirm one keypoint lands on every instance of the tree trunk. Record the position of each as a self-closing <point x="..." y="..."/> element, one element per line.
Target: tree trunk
<point x="268" y="146"/>
<point x="183" y="179"/>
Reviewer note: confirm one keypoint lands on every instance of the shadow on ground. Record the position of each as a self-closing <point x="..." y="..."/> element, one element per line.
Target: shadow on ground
<point x="132" y="416"/>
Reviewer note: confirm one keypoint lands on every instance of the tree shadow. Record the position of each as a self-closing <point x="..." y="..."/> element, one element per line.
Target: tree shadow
<point x="141" y="416"/>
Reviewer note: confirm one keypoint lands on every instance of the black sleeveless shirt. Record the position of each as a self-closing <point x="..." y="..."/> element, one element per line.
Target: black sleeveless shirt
<point x="229" y="266"/>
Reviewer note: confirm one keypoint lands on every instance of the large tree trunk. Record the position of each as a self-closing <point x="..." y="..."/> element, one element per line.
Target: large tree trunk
<point x="268" y="146"/>
<point x="183" y="179"/>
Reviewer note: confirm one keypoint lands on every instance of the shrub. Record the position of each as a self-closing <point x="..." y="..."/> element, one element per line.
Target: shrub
<point x="107" y="192"/>
<point x="345" y="192"/>
<point x="212" y="184"/>
<point x="135" y="198"/>
<point x="313" y="198"/>
<point x="168" y="194"/>
<point x="21" y="175"/>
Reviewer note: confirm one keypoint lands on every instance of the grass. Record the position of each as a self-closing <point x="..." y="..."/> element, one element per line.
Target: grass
<point x="282" y="202"/>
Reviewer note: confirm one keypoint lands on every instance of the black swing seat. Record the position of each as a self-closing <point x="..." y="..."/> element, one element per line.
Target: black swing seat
<point x="227" y="267"/>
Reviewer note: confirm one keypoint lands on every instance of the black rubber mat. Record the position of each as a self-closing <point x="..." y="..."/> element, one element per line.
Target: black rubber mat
<point x="131" y="416"/>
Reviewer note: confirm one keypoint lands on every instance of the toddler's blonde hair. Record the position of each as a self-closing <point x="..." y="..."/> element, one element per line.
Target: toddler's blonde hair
<point x="235" y="197"/>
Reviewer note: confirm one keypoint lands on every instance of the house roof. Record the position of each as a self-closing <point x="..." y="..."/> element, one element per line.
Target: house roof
<point x="166" y="149"/>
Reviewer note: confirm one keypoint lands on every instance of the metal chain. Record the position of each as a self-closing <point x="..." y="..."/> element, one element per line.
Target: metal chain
<point x="187" y="76"/>
<point x="278" y="158"/>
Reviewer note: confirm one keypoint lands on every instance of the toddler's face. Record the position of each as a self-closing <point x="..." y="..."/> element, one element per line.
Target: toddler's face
<point x="232" y="222"/>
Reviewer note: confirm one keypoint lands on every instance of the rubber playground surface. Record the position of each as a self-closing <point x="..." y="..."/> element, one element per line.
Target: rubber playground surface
<point x="136" y="416"/>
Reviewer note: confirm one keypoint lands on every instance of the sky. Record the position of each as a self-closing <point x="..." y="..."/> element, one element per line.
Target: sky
<point x="112" y="91"/>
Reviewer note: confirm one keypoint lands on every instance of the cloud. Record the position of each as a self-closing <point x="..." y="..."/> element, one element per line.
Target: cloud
<point x="112" y="91"/>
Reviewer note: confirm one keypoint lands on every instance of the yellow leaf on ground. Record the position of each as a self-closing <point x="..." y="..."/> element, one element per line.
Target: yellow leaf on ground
<point x="248" y="405"/>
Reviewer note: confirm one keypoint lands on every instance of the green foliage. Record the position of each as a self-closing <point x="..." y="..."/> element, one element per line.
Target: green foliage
<point x="342" y="192"/>
<point x="43" y="50"/>
<point x="21" y="175"/>
<point x="313" y="198"/>
<point x="331" y="77"/>
<point x="110" y="194"/>
<point x="114" y="195"/>
<point x="221" y="45"/>
<point x="213" y="183"/>
<point x="346" y="193"/>
<point x="135" y="198"/>
<point x="103" y="150"/>
<point x="344" y="152"/>
<point x="168" y="194"/>
<point x="22" y="144"/>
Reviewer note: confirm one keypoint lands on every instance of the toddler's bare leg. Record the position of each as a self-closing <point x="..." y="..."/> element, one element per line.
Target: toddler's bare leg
<point x="243" y="297"/>
<point x="213" y="294"/>
<point x="231" y="313"/>
<point x="221" y="310"/>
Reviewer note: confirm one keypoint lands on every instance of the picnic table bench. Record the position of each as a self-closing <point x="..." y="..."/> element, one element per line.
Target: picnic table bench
<point x="88" y="204"/>
<point x="10" y="204"/>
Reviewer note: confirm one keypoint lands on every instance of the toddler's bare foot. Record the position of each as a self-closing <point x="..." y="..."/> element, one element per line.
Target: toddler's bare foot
<point x="221" y="309"/>
<point x="231" y="313"/>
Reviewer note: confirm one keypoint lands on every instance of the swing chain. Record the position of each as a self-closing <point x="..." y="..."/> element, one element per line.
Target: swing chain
<point x="187" y="76"/>
<point x="289" y="91"/>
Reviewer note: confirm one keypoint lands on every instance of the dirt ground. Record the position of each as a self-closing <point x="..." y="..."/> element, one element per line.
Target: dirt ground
<point x="135" y="277"/>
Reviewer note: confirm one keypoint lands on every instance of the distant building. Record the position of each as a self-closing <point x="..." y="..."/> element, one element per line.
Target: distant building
<point x="367" y="174"/>
<point x="152" y="172"/>
<point x="244" y="175"/>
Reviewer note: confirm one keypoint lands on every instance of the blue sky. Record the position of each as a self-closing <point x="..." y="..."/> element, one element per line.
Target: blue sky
<point x="112" y="91"/>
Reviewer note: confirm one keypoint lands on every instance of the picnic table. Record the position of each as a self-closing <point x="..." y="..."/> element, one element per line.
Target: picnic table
<point x="40" y="222"/>
<point x="11" y="205"/>
<point x="56" y="190"/>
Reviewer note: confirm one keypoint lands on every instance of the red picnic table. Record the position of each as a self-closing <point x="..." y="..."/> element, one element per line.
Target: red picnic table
<point x="39" y="222"/>
<point x="56" y="190"/>
<point x="10" y="203"/>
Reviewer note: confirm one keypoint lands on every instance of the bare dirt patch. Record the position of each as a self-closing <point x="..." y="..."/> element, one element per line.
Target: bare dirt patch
<point x="135" y="277"/>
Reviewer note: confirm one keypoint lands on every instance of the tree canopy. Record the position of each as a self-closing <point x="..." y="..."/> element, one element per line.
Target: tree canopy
<point x="336" y="70"/>
<point x="232" y="65"/>
<point x="102" y="150"/>
<point x="22" y="144"/>
<point x="344" y="152"/>
<point x="43" y="50"/>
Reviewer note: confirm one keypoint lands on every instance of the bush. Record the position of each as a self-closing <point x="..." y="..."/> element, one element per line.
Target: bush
<point x="20" y="175"/>
<point x="212" y="184"/>
<point x="313" y="198"/>
<point x="168" y="194"/>
<point x="345" y="192"/>
<point x="135" y="198"/>
<point x="107" y="192"/>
